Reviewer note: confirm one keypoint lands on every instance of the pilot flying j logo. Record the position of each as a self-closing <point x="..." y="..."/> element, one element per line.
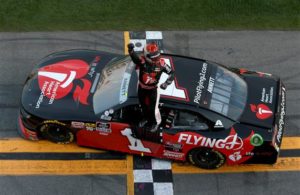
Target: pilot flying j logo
<point x="231" y="142"/>
<point x="56" y="81"/>
<point x="262" y="111"/>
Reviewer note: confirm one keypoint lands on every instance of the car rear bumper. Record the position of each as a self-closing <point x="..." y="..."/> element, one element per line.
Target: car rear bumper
<point x="279" y="118"/>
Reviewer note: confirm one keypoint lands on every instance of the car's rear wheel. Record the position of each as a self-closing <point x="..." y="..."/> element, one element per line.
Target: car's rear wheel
<point x="206" y="158"/>
<point x="57" y="132"/>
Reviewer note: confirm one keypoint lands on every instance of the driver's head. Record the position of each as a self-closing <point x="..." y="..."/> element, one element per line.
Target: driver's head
<point x="152" y="53"/>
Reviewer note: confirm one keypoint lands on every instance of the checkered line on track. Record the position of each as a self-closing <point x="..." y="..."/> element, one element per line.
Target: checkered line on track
<point x="151" y="176"/>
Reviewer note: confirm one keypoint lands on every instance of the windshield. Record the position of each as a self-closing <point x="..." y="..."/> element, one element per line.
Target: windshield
<point x="112" y="88"/>
<point x="227" y="92"/>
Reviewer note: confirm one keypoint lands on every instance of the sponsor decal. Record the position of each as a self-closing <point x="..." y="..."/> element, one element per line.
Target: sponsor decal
<point x="256" y="140"/>
<point x="77" y="125"/>
<point x="171" y="154"/>
<point x="231" y="142"/>
<point x="93" y="66"/>
<point x="41" y="97"/>
<point x="235" y="156"/>
<point x="211" y="83"/>
<point x="90" y="126"/>
<point x="200" y="85"/>
<point x="262" y="111"/>
<point x="124" y="87"/>
<point x="103" y="128"/>
<point x="54" y="122"/>
<point x="56" y="81"/>
<point x="106" y="118"/>
<point x="173" y="146"/>
<point x="149" y="78"/>
<point x="107" y="115"/>
<point x="218" y="124"/>
<point x="135" y="144"/>
<point x="281" y="118"/>
<point x="267" y="97"/>
<point x="249" y="154"/>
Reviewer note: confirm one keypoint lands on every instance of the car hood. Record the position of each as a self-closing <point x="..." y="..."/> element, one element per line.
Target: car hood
<point x="62" y="85"/>
<point x="260" y="109"/>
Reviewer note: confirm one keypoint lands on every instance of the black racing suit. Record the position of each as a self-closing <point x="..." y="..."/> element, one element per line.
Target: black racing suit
<point x="149" y="75"/>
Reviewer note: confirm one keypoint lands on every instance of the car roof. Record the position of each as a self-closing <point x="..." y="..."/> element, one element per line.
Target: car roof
<point x="191" y="87"/>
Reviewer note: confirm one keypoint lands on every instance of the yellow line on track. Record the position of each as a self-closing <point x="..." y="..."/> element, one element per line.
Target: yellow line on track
<point x="283" y="164"/>
<point x="130" y="183"/>
<point x="21" y="145"/>
<point x="63" y="167"/>
<point x="290" y="143"/>
<point x="126" y="41"/>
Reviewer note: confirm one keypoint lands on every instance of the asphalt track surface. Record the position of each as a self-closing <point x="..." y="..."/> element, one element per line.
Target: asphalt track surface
<point x="276" y="52"/>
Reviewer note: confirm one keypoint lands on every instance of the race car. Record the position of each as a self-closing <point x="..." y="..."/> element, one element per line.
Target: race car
<point x="211" y="114"/>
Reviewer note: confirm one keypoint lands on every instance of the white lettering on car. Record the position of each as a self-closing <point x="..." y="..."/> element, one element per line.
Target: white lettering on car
<point x="41" y="97"/>
<point x="281" y="119"/>
<point x="200" y="85"/>
<point x="211" y="83"/>
<point x="231" y="142"/>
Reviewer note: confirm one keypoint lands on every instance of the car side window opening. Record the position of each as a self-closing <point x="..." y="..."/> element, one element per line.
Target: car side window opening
<point x="129" y="114"/>
<point x="190" y="119"/>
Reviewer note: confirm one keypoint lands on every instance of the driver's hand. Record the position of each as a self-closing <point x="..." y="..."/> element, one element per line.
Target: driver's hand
<point x="130" y="47"/>
<point x="164" y="86"/>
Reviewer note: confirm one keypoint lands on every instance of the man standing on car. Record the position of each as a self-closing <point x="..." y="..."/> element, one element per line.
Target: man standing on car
<point x="150" y="66"/>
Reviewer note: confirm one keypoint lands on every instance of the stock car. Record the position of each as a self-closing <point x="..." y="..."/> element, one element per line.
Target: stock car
<point x="211" y="114"/>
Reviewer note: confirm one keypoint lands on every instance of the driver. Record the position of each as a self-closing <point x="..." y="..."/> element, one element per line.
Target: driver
<point x="151" y="66"/>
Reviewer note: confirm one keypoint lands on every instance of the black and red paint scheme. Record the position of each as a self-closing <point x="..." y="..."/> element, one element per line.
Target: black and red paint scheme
<point x="211" y="114"/>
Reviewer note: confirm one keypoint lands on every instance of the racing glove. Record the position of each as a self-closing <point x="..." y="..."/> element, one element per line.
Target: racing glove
<point x="164" y="86"/>
<point x="130" y="47"/>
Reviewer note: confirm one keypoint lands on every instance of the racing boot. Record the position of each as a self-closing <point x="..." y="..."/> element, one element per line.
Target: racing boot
<point x="142" y="123"/>
<point x="153" y="128"/>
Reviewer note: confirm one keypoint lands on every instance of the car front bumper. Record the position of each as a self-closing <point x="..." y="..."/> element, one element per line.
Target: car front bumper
<point x="25" y="132"/>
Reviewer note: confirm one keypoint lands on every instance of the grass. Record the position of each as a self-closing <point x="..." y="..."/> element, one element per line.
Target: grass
<point x="43" y="15"/>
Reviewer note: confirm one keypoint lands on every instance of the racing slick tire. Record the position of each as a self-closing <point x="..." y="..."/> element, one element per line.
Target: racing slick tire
<point x="56" y="132"/>
<point x="206" y="158"/>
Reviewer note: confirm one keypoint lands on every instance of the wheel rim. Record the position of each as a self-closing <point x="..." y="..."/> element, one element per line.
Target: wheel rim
<point x="206" y="156"/>
<point x="57" y="133"/>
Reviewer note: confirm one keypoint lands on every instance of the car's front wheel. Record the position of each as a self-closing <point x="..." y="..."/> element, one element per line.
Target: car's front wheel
<point x="206" y="158"/>
<point x="57" y="132"/>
